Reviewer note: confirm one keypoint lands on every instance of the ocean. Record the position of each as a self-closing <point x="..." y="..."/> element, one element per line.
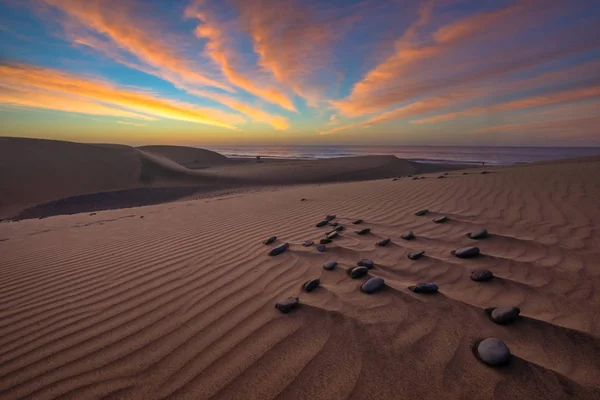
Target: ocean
<point x="426" y="154"/>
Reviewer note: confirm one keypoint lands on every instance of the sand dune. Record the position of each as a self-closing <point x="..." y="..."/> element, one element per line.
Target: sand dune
<point x="57" y="177"/>
<point x="180" y="304"/>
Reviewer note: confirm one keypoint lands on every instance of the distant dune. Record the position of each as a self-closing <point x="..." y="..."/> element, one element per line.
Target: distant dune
<point x="48" y="177"/>
<point x="177" y="300"/>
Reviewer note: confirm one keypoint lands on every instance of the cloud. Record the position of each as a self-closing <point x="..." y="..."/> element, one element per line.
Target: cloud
<point x="130" y="123"/>
<point x="57" y="90"/>
<point x="568" y="128"/>
<point x="222" y="54"/>
<point x="566" y="96"/>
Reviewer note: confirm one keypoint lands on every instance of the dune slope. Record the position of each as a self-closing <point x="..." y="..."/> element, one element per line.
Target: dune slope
<point x="180" y="304"/>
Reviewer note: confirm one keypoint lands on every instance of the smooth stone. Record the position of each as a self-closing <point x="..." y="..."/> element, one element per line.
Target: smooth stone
<point x="493" y="351"/>
<point x="358" y="221"/>
<point x="410" y="235"/>
<point x="372" y="285"/>
<point x="466" y="252"/>
<point x="395" y="179"/>
<point x="482" y="234"/>
<point x="332" y="235"/>
<point x="308" y="243"/>
<point x="445" y="173"/>
<point x="330" y="218"/>
<point x="358" y="272"/>
<point x="321" y="248"/>
<point x="339" y="228"/>
<point x="303" y="199"/>
<point x="415" y="178"/>
<point x="482" y="275"/>
<point x="439" y="220"/>
<point x="484" y="172"/>
<point x="504" y="315"/>
<point x="333" y="223"/>
<point x="279" y="249"/>
<point x="415" y="255"/>
<point x="465" y="173"/>
<point x="424" y="287"/>
<point x="142" y="216"/>
<point x="287" y="305"/>
<point x="92" y="214"/>
<point x="365" y="262"/>
<point x="270" y="240"/>
<point x="330" y="266"/>
<point x="322" y="224"/>
<point x="384" y="242"/>
<point x="421" y="213"/>
<point x="311" y="285"/>
<point x="441" y="177"/>
<point x="325" y="241"/>
<point x="364" y="231"/>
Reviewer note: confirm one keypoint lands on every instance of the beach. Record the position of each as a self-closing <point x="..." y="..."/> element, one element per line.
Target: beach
<point x="176" y="300"/>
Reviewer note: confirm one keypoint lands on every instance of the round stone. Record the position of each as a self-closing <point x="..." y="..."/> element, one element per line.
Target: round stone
<point x="481" y="234"/>
<point x="322" y="224"/>
<point x="358" y="221"/>
<point x="384" y="242"/>
<point x="279" y="249"/>
<point x="482" y="275"/>
<point x="466" y="252"/>
<point x="308" y="243"/>
<point x="287" y="305"/>
<point x="325" y="241"/>
<point x="410" y="235"/>
<point x="321" y="248"/>
<point x="504" y="315"/>
<point x="363" y="231"/>
<point x="372" y="285"/>
<point x="311" y="285"/>
<point x="424" y="287"/>
<point x="358" y="272"/>
<point x="421" y="213"/>
<point x="270" y="240"/>
<point x="365" y="262"/>
<point x="415" y="255"/>
<point x="493" y="351"/>
<point x="330" y="266"/>
<point x="332" y="235"/>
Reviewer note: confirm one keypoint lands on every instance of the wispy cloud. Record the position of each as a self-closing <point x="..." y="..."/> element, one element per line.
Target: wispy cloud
<point x="130" y="123"/>
<point x="49" y="88"/>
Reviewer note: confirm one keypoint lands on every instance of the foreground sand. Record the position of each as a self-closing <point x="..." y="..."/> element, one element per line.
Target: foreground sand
<point x="180" y="304"/>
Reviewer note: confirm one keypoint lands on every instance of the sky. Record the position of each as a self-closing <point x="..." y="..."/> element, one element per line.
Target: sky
<point x="254" y="72"/>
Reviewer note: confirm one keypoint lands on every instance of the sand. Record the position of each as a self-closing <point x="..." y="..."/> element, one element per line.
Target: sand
<point x="180" y="304"/>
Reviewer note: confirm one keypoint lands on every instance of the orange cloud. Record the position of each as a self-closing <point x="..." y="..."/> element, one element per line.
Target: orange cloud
<point x="218" y="51"/>
<point x="529" y="102"/>
<point x="28" y="79"/>
<point x="130" y="123"/>
<point x="386" y="83"/>
<point x="142" y="38"/>
<point x="571" y="128"/>
<point x="290" y="42"/>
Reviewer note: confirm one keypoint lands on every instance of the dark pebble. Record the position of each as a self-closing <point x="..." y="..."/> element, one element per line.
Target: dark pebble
<point x="339" y="228"/>
<point x="279" y="249"/>
<point x="330" y="218"/>
<point x="365" y="262"/>
<point x="482" y="234"/>
<point x="372" y="285"/>
<point x="422" y="177"/>
<point x="384" y="242"/>
<point x="421" y="213"/>
<point x="364" y="231"/>
<point x="415" y="255"/>
<point x="308" y="243"/>
<point x="322" y="224"/>
<point x="287" y="305"/>
<point x="441" y="177"/>
<point x="330" y="266"/>
<point x="358" y="272"/>
<point x="466" y="252"/>
<point x="270" y="240"/>
<point x="302" y="199"/>
<point x="465" y="173"/>
<point x="333" y="223"/>
<point x="445" y="173"/>
<point x="484" y="172"/>
<point x="395" y="179"/>
<point x="142" y="216"/>
<point x="332" y="235"/>
<point x="503" y="315"/>
<point x="439" y="220"/>
<point x="325" y="241"/>
<point x="311" y="285"/>
<point x="482" y="275"/>
<point x="358" y="221"/>
<point x="415" y="178"/>
<point x="424" y="287"/>
<point x="321" y="248"/>
<point x="493" y="352"/>
<point x="92" y="214"/>
<point x="410" y="235"/>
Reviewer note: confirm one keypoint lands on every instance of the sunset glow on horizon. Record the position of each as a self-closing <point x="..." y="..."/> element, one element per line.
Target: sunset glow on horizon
<point x="209" y="72"/>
